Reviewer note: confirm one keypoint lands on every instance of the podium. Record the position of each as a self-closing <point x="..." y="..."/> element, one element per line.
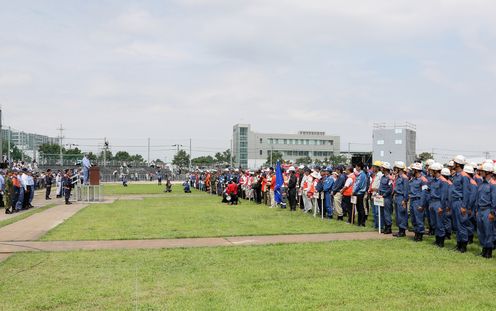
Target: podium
<point x="92" y="192"/>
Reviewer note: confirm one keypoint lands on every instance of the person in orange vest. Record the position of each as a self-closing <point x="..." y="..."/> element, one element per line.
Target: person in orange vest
<point x="347" y="192"/>
<point x="307" y="193"/>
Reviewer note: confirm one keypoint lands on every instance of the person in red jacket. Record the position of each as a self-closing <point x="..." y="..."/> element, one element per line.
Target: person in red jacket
<point x="232" y="191"/>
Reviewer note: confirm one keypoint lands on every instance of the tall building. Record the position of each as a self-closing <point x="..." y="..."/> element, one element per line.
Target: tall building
<point x="395" y="142"/>
<point x="28" y="142"/>
<point x="252" y="149"/>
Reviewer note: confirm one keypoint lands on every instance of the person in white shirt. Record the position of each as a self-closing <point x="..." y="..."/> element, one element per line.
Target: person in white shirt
<point x="30" y="186"/>
<point x="86" y="169"/>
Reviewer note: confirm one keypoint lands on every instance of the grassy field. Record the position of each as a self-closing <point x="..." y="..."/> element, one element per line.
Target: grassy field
<point x="365" y="275"/>
<point x="179" y="215"/>
<point x="148" y="188"/>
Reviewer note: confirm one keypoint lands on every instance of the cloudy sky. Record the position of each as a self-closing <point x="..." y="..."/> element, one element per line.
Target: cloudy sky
<point x="171" y="70"/>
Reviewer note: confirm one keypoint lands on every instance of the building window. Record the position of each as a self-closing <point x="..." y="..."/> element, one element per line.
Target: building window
<point x="261" y="140"/>
<point x="331" y="142"/>
<point x="285" y="141"/>
<point x="261" y="152"/>
<point x="398" y="131"/>
<point x="380" y="142"/>
<point x="382" y="153"/>
<point x="398" y="141"/>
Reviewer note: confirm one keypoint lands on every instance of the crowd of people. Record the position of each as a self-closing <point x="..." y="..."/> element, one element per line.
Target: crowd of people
<point x="458" y="198"/>
<point x="19" y="182"/>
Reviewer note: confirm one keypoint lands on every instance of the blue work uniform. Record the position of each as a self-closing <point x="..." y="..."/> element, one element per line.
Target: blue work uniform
<point x="437" y="208"/>
<point x="460" y="202"/>
<point x="401" y="191"/>
<point x="328" y="183"/>
<point x="386" y="191"/>
<point x="472" y="222"/>
<point x="448" y="220"/>
<point x="418" y="189"/>
<point x="485" y="205"/>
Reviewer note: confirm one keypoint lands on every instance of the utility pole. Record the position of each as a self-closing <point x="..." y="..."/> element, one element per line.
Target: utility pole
<point x="8" y="144"/>
<point x="148" y="151"/>
<point x="190" y="156"/>
<point x="61" y="130"/>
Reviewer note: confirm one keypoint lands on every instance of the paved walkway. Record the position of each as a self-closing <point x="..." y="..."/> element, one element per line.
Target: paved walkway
<point x="33" y="227"/>
<point x="29" y="246"/>
<point x="38" y="202"/>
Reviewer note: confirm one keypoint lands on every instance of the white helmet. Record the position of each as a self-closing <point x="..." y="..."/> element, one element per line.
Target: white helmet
<point x="417" y="166"/>
<point x="446" y="172"/>
<point x="487" y="167"/>
<point x="291" y="169"/>
<point x="451" y="163"/>
<point x="301" y="167"/>
<point x="429" y="162"/>
<point x="468" y="169"/>
<point x="400" y="165"/>
<point x="488" y="161"/>
<point x="459" y="159"/>
<point x="316" y="175"/>
<point x="436" y="166"/>
<point x="386" y="165"/>
<point x="473" y="164"/>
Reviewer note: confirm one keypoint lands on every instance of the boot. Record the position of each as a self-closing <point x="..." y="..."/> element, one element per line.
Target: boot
<point x="340" y="218"/>
<point x="400" y="234"/>
<point x="470" y="239"/>
<point x="463" y="247"/>
<point x="457" y="247"/>
<point x="483" y="253"/>
<point x="489" y="253"/>
<point x="448" y="236"/>
<point x="431" y="231"/>
<point x="420" y="237"/>
<point x="387" y="230"/>
<point x="415" y="239"/>
<point x="441" y="242"/>
<point x="437" y="241"/>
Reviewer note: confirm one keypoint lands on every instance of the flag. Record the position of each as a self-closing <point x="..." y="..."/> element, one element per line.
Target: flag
<point x="279" y="183"/>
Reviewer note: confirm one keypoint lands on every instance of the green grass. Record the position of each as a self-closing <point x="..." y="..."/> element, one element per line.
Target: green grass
<point x="24" y="215"/>
<point x="179" y="215"/>
<point x="359" y="275"/>
<point x="118" y="189"/>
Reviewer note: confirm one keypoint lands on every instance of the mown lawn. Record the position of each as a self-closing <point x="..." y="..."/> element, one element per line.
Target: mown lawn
<point x="149" y="188"/>
<point x="359" y="275"/>
<point x="179" y="215"/>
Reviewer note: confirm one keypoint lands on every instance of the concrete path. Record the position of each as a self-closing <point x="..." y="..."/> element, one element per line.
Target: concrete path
<point x="29" y="246"/>
<point x="38" y="202"/>
<point x="33" y="227"/>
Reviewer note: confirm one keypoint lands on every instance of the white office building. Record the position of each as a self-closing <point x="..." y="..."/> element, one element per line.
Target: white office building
<point x="252" y="149"/>
<point x="396" y="142"/>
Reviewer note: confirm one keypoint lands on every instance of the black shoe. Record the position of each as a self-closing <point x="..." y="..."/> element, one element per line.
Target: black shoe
<point x="68" y="203"/>
<point x="420" y="237"/>
<point x="400" y="234"/>
<point x="340" y="218"/>
<point x="431" y="231"/>
<point x="415" y="238"/>
<point x="489" y="253"/>
<point x="441" y="242"/>
<point x="448" y="236"/>
<point x="463" y="247"/>
<point x="457" y="247"/>
<point x="470" y="239"/>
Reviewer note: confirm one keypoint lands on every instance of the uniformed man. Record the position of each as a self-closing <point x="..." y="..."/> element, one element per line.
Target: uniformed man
<point x="401" y="191"/>
<point x="437" y="199"/>
<point x="48" y="184"/>
<point x="328" y="183"/>
<point x="460" y="203"/>
<point x="448" y="220"/>
<point x="418" y="203"/>
<point x="386" y="191"/>
<point x="485" y="208"/>
<point x="373" y="188"/>
<point x="67" y="182"/>
<point x="469" y="171"/>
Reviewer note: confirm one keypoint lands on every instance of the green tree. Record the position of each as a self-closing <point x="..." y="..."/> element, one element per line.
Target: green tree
<point x="122" y="156"/>
<point x="50" y="151"/>
<point x="203" y="161"/>
<point x="338" y="159"/>
<point x="181" y="159"/>
<point x="304" y="160"/>
<point x="424" y="156"/>
<point x="276" y="156"/>
<point x="15" y="153"/>
<point x="223" y="157"/>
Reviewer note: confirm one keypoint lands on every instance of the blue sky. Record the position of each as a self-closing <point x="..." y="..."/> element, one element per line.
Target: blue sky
<point x="171" y="70"/>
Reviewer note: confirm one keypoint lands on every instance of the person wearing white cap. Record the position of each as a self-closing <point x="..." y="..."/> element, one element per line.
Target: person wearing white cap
<point x="401" y="192"/>
<point x="469" y="171"/>
<point x="448" y="220"/>
<point x="292" y="181"/>
<point x="460" y="202"/>
<point x="386" y="191"/>
<point x="437" y="198"/>
<point x="314" y="189"/>
<point x="485" y="207"/>
<point x="307" y="191"/>
<point x="418" y="202"/>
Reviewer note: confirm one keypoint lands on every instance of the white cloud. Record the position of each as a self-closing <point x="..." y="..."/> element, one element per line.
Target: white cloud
<point x="15" y="79"/>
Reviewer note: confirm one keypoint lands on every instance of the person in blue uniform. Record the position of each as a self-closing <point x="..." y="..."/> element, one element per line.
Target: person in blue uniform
<point x="460" y="202"/>
<point x="448" y="220"/>
<point x="328" y="183"/>
<point x="386" y="191"/>
<point x="417" y="195"/>
<point x="485" y="206"/>
<point x="437" y="199"/>
<point x="401" y="192"/>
